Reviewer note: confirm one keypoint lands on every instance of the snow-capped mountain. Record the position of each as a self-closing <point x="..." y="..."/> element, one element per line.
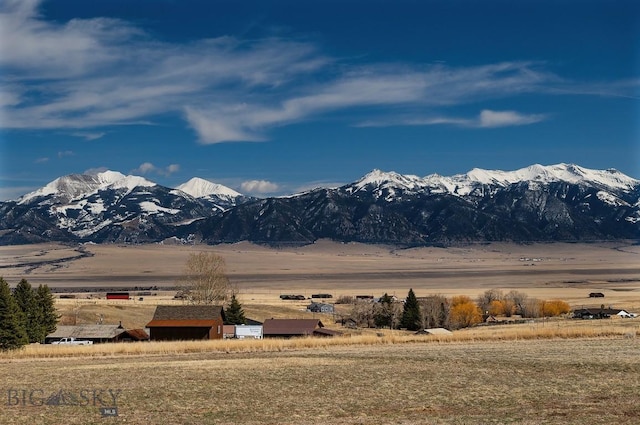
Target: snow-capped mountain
<point x="218" y="196"/>
<point x="106" y="207"/>
<point x="64" y="189"/>
<point x="478" y="181"/>
<point x="537" y="203"/>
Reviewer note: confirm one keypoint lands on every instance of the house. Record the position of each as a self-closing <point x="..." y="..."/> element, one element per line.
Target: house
<point x="184" y="322"/>
<point x="600" y="313"/>
<point x="315" y="307"/>
<point x="287" y="328"/>
<point x="97" y="333"/>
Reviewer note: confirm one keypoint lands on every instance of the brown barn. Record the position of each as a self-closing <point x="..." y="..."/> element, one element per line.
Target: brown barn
<point x="287" y="328"/>
<point x="185" y="322"/>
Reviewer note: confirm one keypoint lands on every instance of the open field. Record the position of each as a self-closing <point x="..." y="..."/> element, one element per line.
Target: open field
<point x="543" y="372"/>
<point x="555" y="270"/>
<point x="550" y="381"/>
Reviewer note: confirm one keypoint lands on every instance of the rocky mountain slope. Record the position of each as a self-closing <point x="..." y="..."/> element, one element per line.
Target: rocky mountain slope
<point x="538" y="203"/>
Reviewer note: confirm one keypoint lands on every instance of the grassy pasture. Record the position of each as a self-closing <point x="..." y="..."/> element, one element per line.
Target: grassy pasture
<point x="552" y="372"/>
<point x="471" y="379"/>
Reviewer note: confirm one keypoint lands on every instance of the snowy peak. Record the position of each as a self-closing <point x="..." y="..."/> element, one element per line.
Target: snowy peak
<point x="569" y="173"/>
<point x="465" y="184"/>
<point x="200" y="188"/>
<point x="78" y="185"/>
<point x="391" y="179"/>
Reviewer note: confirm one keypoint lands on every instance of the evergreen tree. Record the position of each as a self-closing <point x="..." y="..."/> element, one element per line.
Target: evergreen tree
<point x="26" y="300"/>
<point x="12" y="332"/>
<point x="234" y="314"/>
<point x="411" y="312"/>
<point x="47" y="314"/>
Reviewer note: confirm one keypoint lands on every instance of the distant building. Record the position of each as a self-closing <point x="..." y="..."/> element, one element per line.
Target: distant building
<point x="320" y="308"/>
<point x="118" y="295"/>
<point x="186" y="322"/>
<point x="600" y="313"/>
<point x="97" y="333"/>
<point x="288" y="328"/>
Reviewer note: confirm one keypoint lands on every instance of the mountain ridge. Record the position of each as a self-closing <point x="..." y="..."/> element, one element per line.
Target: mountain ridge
<point x="557" y="202"/>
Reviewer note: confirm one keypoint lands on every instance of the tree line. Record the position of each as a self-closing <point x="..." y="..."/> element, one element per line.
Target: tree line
<point x="438" y="311"/>
<point x="26" y="315"/>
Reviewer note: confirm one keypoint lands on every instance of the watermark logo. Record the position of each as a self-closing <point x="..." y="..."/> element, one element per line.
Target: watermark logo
<point x="104" y="398"/>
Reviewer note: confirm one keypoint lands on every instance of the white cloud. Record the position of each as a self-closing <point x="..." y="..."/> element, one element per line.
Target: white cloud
<point x="149" y="168"/>
<point x="490" y="118"/>
<point x="63" y="154"/>
<point x="88" y="135"/>
<point x="41" y="160"/>
<point x="94" y="73"/>
<point x="486" y="119"/>
<point x="258" y="187"/>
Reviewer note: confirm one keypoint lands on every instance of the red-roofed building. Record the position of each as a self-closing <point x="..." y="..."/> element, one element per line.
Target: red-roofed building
<point x="287" y="328"/>
<point x="186" y="322"/>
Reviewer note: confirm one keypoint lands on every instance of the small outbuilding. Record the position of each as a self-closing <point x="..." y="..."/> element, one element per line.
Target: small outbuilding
<point x="315" y="307"/>
<point x="186" y="322"/>
<point x="288" y="328"/>
<point x="97" y="333"/>
<point x="435" y="331"/>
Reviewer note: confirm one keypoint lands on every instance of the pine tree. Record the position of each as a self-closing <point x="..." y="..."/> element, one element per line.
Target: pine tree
<point x="25" y="298"/>
<point x="234" y="314"/>
<point x="411" y="313"/>
<point x="12" y="332"/>
<point x="47" y="314"/>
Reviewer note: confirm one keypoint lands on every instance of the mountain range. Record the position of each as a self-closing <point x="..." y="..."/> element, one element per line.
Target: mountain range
<point x="563" y="202"/>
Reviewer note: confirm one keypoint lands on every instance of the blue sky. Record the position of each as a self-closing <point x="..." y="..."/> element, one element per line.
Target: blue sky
<point x="274" y="97"/>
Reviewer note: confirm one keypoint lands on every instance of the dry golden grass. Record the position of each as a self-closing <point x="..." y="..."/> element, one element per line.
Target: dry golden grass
<point x="551" y="381"/>
<point x="541" y="330"/>
<point x="560" y="371"/>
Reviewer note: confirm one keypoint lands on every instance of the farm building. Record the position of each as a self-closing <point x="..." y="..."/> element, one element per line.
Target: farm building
<point x="600" y="313"/>
<point x="118" y="295"/>
<point x="184" y="322"/>
<point x="249" y="331"/>
<point x="97" y="333"/>
<point x="287" y="328"/>
<point x="320" y="308"/>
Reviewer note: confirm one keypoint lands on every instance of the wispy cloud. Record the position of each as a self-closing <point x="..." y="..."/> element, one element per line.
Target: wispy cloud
<point x="63" y="154"/>
<point x="489" y="118"/>
<point x="89" y="135"/>
<point x="41" y="160"/>
<point x="93" y="73"/>
<point x="258" y="187"/>
<point x="149" y="168"/>
<point x="485" y="119"/>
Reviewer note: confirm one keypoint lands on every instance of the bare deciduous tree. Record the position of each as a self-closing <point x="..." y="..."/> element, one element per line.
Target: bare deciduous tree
<point x="205" y="280"/>
<point x="490" y="295"/>
<point x="435" y="312"/>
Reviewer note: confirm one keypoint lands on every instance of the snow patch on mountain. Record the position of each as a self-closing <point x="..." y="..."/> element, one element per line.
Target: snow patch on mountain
<point x="153" y="208"/>
<point x="199" y="188"/>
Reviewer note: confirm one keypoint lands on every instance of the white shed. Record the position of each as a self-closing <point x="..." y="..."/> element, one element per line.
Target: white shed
<point x="249" y="331"/>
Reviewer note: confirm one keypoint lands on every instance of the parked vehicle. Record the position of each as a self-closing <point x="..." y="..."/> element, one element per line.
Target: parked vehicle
<point x="72" y="341"/>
